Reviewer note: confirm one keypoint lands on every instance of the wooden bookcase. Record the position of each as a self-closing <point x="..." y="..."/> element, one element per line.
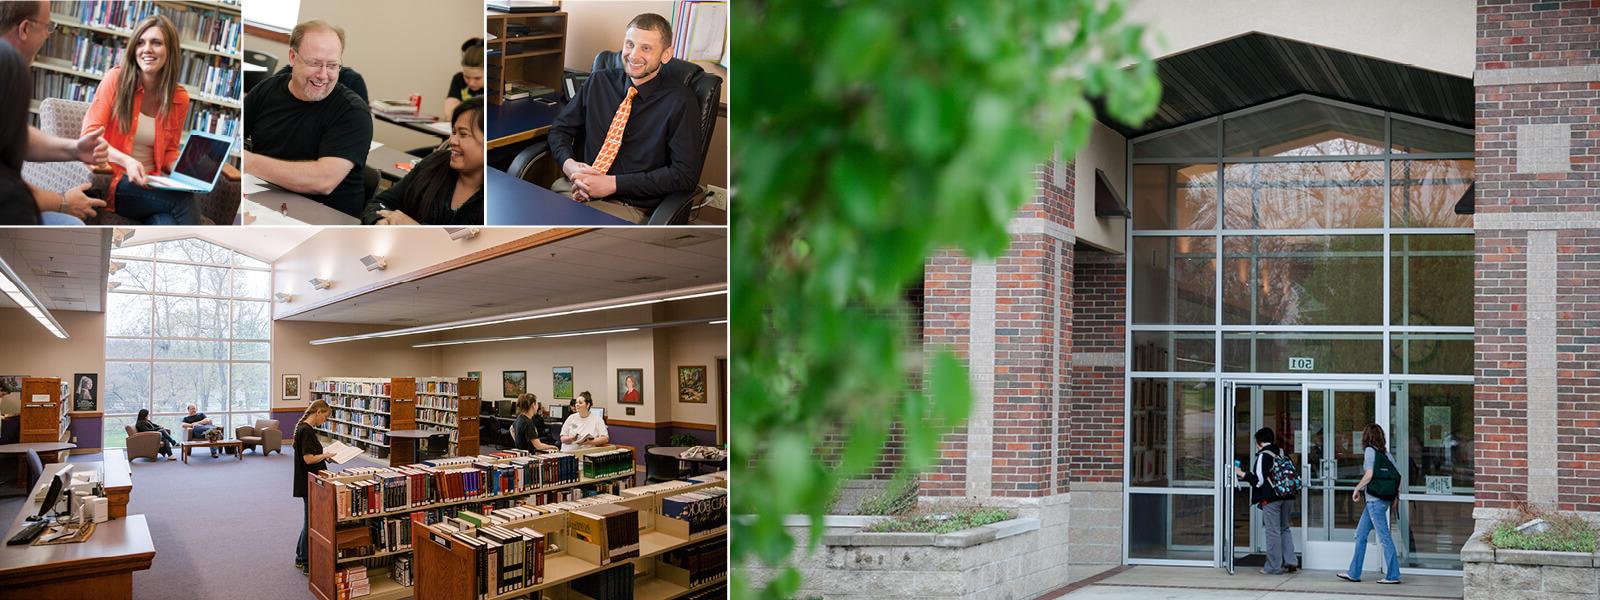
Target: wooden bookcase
<point x="355" y="399"/>
<point x="441" y="400"/>
<point x="44" y="414"/>
<point x="538" y="57"/>
<point x="445" y="570"/>
<point x="320" y="539"/>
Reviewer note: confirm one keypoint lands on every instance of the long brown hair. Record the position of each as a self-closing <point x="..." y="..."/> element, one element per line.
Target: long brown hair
<point x="317" y="406"/>
<point x="1372" y="437"/>
<point x="122" y="108"/>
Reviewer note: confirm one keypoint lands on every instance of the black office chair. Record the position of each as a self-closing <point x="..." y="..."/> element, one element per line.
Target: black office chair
<point x="251" y="78"/>
<point x="35" y="468"/>
<point x="659" y="468"/>
<point x="533" y="163"/>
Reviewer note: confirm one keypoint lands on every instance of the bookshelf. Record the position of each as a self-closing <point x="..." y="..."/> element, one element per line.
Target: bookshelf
<point x="526" y="47"/>
<point x="450" y="404"/>
<point x="44" y="414"/>
<point x="330" y="532"/>
<point x="366" y="409"/>
<point x="448" y="569"/>
<point x="92" y="34"/>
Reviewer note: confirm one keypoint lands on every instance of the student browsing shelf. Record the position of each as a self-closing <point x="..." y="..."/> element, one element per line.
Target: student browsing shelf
<point x="142" y="109"/>
<point x="469" y="82"/>
<point x="308" y="458"/>
<point x="446" y="188"/>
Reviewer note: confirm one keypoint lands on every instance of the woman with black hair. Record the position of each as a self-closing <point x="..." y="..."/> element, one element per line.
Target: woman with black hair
<point x="468" y="83"/>
<point x="446" y="188"/>
<point x="17" y="205"/>
<point x="143" y="423"/>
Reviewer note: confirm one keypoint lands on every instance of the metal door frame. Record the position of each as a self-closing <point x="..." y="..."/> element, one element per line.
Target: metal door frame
<point x="1331" y="553"/>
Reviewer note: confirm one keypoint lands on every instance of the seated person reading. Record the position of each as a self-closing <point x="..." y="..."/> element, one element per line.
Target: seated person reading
<point x="307" y="132"/>
<point x="446" y="188"/>
<point x="630" y="137"/>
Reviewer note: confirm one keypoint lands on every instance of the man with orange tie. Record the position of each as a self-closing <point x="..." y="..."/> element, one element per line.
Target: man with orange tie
<point x="630" y="137"/>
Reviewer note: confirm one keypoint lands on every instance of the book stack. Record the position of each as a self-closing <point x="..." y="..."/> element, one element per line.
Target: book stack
<point x="400" y="570"/>
<point x="710" y="477"/>
<point x="705" y="561"/>
<point x="704" y="509"/>
<point x="352" y="582"/>
<point x="611" y="584"/>
<point x="612" y="528"/>
<point x="384" y="489"/>
<point x="607" y="462"/>
<point x="654" y="488"/>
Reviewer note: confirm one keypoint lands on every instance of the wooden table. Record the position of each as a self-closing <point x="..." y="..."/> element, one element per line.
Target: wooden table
<point x="45" y="450"/>
<point x="100" y="568"/>
<point x="403" y="444"/>
<point x="238" y="447"/>
<point x="299" y="208"/>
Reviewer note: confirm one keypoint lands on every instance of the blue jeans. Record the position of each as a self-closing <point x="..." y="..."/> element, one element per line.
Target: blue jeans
<point x="1375" y="516"/>
<point x="300" y="548"/>
<point x="156" y="207"/>
<point x="52" y="218"/>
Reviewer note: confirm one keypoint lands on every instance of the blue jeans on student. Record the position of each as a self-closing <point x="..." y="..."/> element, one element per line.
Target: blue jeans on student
<point x="300" y="548"/>
<point x="1375" y="517"/>
<point x="52" y="218"/>
<point x="156" y="207"/>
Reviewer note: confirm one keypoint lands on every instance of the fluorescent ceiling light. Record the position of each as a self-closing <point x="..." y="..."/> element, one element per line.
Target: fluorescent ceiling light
<point x="562" y="334"/>
<point x="544" y="313"/>
<point x="718" y="322"/>
<point x="24" y="298"/>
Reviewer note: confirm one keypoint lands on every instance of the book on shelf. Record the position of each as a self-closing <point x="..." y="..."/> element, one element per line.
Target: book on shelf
<point x="364" y="388"/>
<point x="615" y="583"/>
<point x="703" y="509"/>
<point x="352" y="582"/>
<point x="449" y="479"/>
<point x="705" y="561"/>
<point x="505" y="559"/>
<point x="612" y="528"/>
<point x="606" y="462"/>
<point x="400" y="570"/>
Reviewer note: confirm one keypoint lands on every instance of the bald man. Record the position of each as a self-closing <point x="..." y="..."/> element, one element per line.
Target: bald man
<point x="307" y="132"/>
<point x="25" y="26"/>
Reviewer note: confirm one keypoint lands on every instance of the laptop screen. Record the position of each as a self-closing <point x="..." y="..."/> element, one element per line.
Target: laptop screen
<point x="201" y="158"/>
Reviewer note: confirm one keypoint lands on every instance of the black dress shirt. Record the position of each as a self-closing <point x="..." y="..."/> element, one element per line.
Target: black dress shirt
<point x="660" y="153"/>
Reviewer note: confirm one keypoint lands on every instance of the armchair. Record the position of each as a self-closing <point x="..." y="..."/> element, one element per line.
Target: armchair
<point x="264" y="433"/>
<point x="143" y="443"/>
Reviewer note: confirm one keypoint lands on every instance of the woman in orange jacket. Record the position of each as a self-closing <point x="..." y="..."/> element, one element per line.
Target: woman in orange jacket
<point x="143" y="110"/>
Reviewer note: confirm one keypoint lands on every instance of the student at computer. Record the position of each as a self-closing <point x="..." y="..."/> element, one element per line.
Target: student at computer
<point x="639" y="131"/>
<point x="446" y="188"/>
<point x="305" y="131"/>
<point x="468" y="83"/>
<point x="143" y="109"/>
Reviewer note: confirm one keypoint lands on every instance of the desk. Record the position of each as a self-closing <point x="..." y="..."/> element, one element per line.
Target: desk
<point x="118" y="478"/>
<point x="674" y="451"/>
<point x="518" y="120"/>
<point x="403" y="444"/>
<point x="428" y="127"/>
<point x="383" y="158"/>
<point x="517" y="202"/>
<point x="301" y="209"/>
<point x="100" y="568"/>
<point x="250" y="67"/>
<point x="46" y="450"/>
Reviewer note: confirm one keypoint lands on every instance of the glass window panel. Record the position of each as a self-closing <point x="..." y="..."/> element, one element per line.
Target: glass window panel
<point x="1170" y="433"/>
<point x="251" y="321"/>
<point x="135" y="275"/>
<point x="251" y="284"/>
<point x="127" y="314"/>
<point x="1435" y="533"/>
<point x="125" y="348"/>
<point x="1424" y="193"/>
<point x="193" y="279"/>
<point x="194" y="250"/>
<point x="1193" y="142"/>
<point x="127" y="387"/>
<point x="1170" y="526"/>
<point x="1303" y="280"/>
<point x="1438" y="435"/>
<point x="113" y="433"/>
<point x="251" y="386"/>
<point x="1175" y="196"/>
<point x="176" y="385"/>
<point x="1304" y="128"/>
<point x="1174" y="280"/>
<point x="201" y="349"/>
<point x="191" y="317"/>
<point x="1174" y="351"/>
<point x="1327" y="352"/>
<point x="139" y="250"/>
<point x="1416" y="138"/>
<point x="1304" y="195"/>
<point x="245" y="261"/>
<point x="252" y="350"/>
<point x="1431" y="354"/>
<point x="1431" y="279"/>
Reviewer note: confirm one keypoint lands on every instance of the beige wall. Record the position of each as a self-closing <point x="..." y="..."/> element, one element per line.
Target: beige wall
<point x="1107" y="151"/>
<point x="695" y="345"/>
<point x="292" y="353"/>
<point x="30" y="350"/>
<point x="400" y="47"/>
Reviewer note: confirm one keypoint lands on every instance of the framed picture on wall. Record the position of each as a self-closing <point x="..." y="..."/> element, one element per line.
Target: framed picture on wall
<point x="630" y="386"/>
<point x="561" y="382"/>
<point x="478" y="375"/>
<point x="291" y="387"/>
<point x="513" y="383"/>
<point x="85" y="391"/>
<point x="692" y="384"/>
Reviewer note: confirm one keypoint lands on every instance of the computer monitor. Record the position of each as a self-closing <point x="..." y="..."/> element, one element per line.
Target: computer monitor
<point x="51" y="497"/>
<point x="598" y="412"/>
<point x="506" y="409"/>
<point x="558" y="411"/>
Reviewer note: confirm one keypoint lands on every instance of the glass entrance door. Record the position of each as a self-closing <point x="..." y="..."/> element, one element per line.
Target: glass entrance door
<point x="1331" y="466"/>
<point x="1251" y="407"/>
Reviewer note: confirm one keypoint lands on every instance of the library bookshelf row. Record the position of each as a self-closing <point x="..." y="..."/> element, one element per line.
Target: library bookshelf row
<point x="366" y="409"/>
<point x="424" y="550"/>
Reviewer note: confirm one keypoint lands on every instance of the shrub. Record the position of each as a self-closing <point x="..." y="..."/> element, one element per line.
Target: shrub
<point x="940" y="523"/>
<point x="1567" y="532"/>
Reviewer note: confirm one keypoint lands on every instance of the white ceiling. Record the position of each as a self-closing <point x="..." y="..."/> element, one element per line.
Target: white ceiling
<point x="65" y="268"/>
<point x="597" y="265"/>
<point x="264" y="243"/>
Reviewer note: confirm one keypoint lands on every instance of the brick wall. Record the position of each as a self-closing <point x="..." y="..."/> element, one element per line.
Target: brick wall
<point x="1098" y="326"/>
<point x="1500" y="430"/>
<point x="947" y="296"/>
<point x="1031" y="337"/>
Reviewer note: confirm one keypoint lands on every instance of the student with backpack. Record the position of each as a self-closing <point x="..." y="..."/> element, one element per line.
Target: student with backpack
<point x="1273" y="487"/>
<point x="1381" y="482"/>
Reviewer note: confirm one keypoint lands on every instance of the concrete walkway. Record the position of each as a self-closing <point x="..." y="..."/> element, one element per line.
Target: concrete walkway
<point x="1147" y="582"/>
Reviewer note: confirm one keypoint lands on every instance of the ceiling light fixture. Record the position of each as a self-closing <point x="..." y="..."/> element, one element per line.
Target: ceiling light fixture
<point x="118" y="236"/>
<point x="321" y="284"/>
<point x="374" y="262"/>
<point x="462" y="233"/>
<point x="117" y="266"/>
<point x="284" y="297"/>
<point x="544" y="313"/>
<point x="563" y="334"/>
<point x="718" y="322"/>
<point x="113" y="285"/>
<point x="19" y="293"/>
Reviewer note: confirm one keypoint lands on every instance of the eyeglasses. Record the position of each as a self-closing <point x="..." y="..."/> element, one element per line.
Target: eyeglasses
<point x="49" y="25"/>
<point x="331" y="66"/>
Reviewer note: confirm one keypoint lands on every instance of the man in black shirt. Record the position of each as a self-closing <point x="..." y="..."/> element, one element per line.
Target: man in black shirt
<point x="197" y="424"/>
<point x="307" y="132"/>
<point x="658" y="153"/>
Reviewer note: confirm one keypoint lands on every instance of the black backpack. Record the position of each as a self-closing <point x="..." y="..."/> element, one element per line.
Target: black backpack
<point x="1385" y="482"/>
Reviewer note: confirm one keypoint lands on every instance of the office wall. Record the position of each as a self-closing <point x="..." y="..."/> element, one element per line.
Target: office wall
<point x="292" y="353"/>
<point x="400" y="47"/>
<point x="696" y="345"/>
<point x="30" y="350"/>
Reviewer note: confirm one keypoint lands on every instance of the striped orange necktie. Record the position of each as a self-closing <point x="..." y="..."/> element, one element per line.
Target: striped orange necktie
<point x="619" y="122"/>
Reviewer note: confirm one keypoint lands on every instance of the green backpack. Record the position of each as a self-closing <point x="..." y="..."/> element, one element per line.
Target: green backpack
<point x="1385" y="482"/>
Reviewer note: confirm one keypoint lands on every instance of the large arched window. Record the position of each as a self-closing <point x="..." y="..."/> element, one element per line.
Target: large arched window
<point x="187" y="321"/>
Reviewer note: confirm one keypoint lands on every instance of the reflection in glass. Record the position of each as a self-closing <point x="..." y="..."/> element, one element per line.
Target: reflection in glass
<point x="1174" y="351"/>
<point x="1304" y="195"/>
<point x="1175" y="196"/>
<point x="1416" y="138"/>
<point x="1437" y="452"/>
<point x="1303" y="280"/>
<point x="1327" y="352"/>
<point x="1171" y="432"/>
<point x="127" y="387"/>
<point x="1170" y="526"/>
<point x="1424" y="193"/>
<point x="1174" y="280"/>
<point x="1305" y="128"/>
<point x="1431" y="354"/>
<point x="1434" y="533"/>
<point x="1431" y="279"/>
<point x="1191" y="142"/>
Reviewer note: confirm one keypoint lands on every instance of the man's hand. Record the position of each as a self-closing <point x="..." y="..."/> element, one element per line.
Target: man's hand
<point x="594" y="185"/>
<point x="572" y="168"/>
<point x="395" y="217"/>
<point x="75" y="203"/>
<point x="91" y="148"/>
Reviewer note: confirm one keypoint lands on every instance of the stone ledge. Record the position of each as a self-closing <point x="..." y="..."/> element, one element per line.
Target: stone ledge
<point x="1543" y="557"/>
<point x="856" y="521"/>
<point x="956" y="539"/>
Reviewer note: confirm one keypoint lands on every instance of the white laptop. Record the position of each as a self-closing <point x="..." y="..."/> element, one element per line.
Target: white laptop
<point x="199" y="164"/>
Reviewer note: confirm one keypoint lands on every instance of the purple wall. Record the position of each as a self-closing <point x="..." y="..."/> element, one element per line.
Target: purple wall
<point x="287" y="419"/>
<point x="638" y="437"/>
<point x="88" y="430"/>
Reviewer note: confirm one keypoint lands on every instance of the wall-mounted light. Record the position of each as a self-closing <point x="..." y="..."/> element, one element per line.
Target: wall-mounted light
<point x="284" y="297"/>
<point x="113" y="285"/>
<point x="321" y="284"/>
<point x="11" y="285"/>
<point x="117" y="266"/>
<point x="374" y="262"/>
<point x="462" y="233"/>
<point x="118" y="236"/>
